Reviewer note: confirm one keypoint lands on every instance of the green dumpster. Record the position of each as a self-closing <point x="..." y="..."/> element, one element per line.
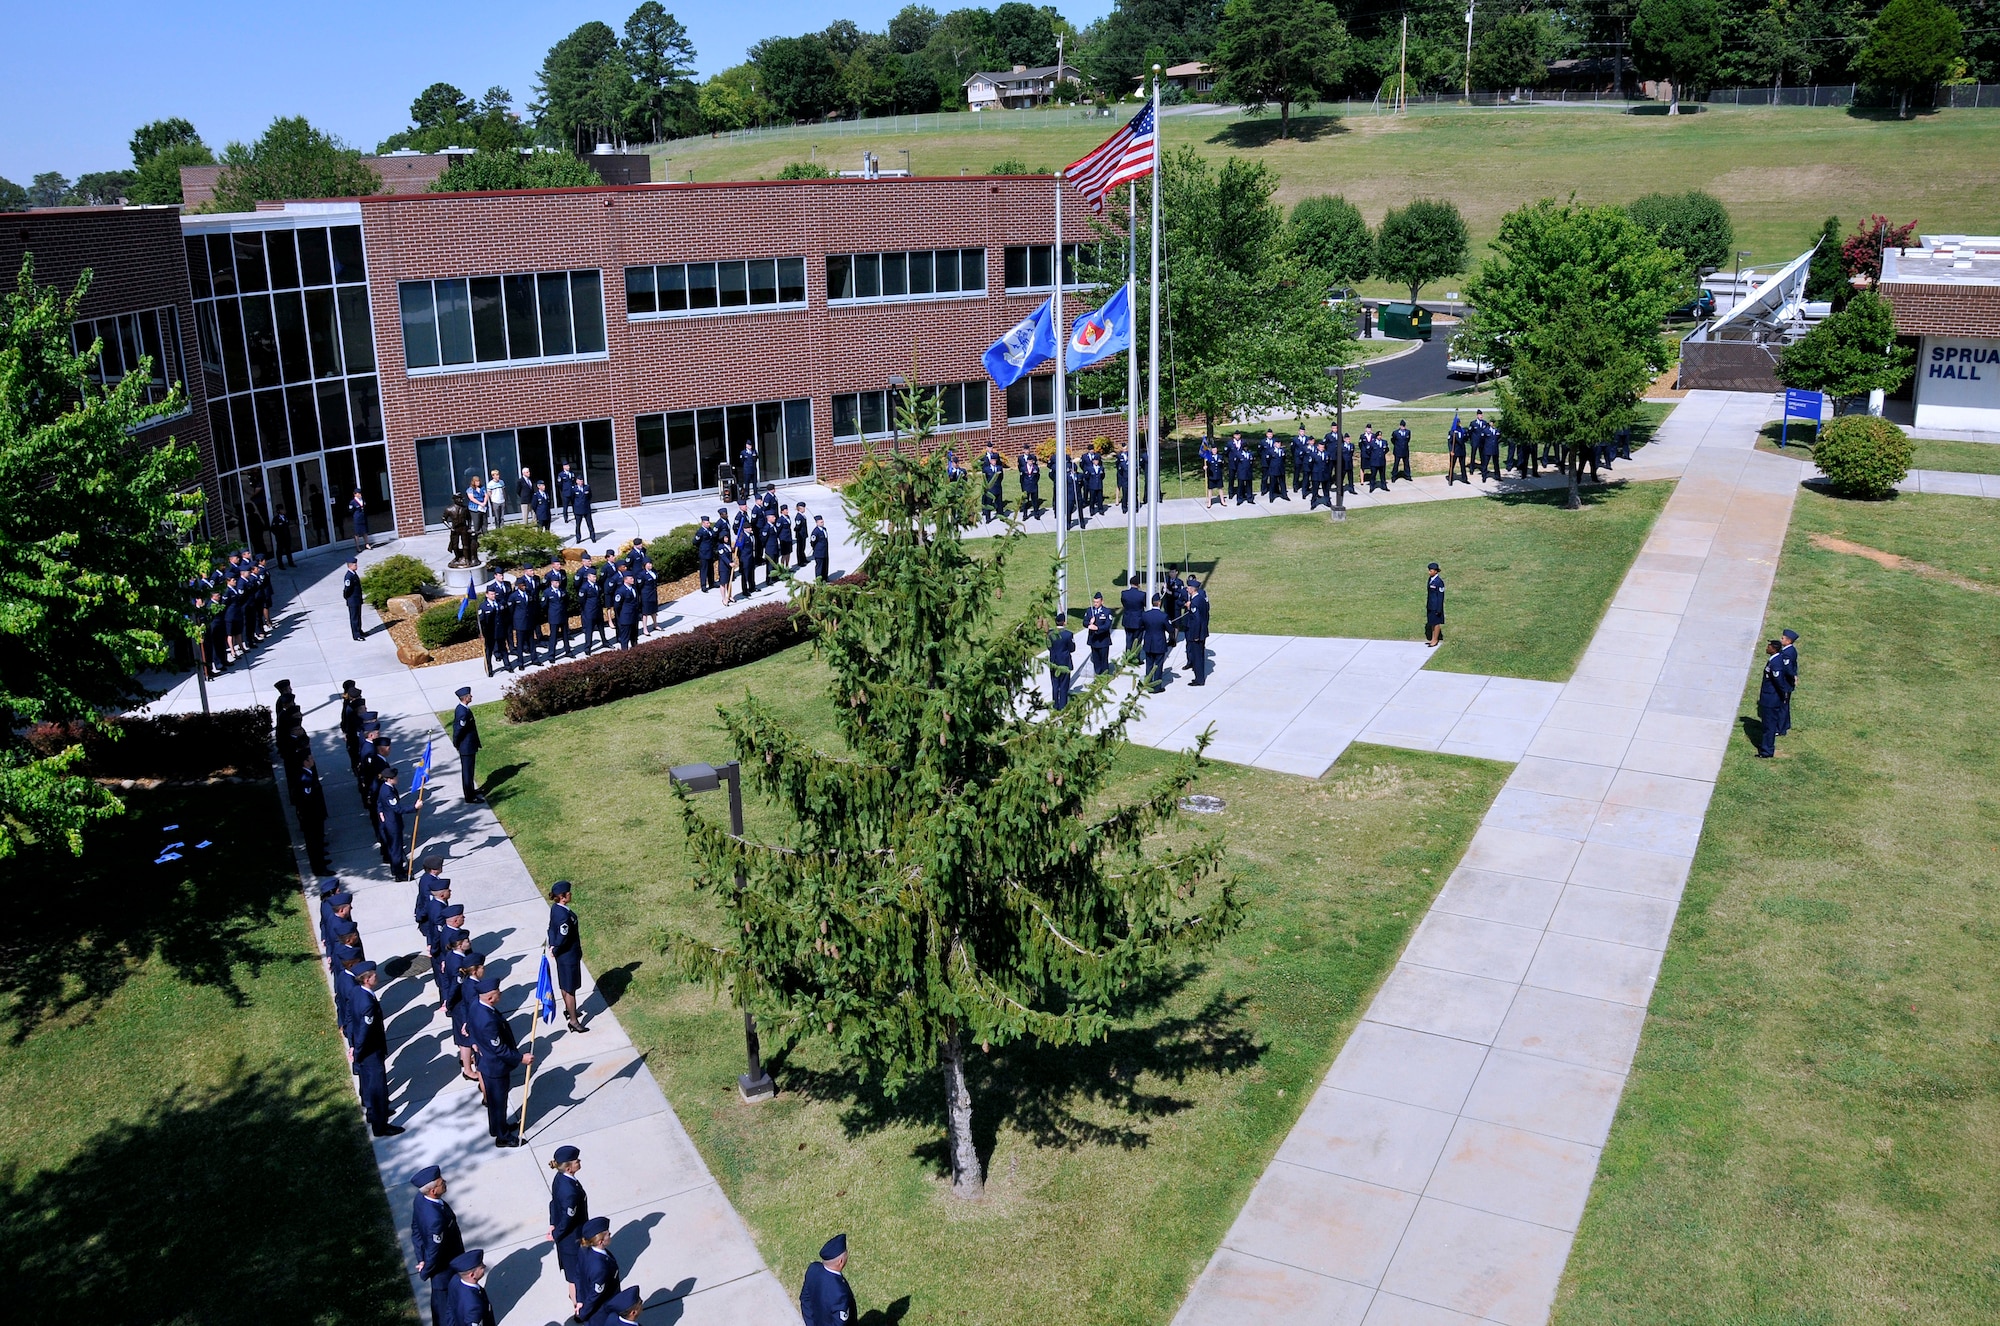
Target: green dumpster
<point x="1406" y="322"/>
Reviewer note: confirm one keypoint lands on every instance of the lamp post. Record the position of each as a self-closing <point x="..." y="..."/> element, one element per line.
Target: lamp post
<point x="906" y="161"/>
<point x="755" y="1084"/>
<point x="1339" y="512"/>
<point x="1741" y="254"/>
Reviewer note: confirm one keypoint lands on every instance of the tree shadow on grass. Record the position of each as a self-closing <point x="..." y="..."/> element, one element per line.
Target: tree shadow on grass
<point x="1588" y="493"/>
<point x="127" y="1230"/>
<point x="74" y="942"/>
<point x="1043" y="1091"/>
<point x="1262" y="131"/>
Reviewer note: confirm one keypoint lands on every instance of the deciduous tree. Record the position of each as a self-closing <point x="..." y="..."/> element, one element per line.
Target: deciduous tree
<point x="800" y="75"/>
<point x="583" y="89"/>
<point x="1693" y="225"/>
<point x="1851" y="353"/>
<point x="512" y="169"/>
<point x="291" y="160"/>
<point x="952" y="879"/>
<point x="1677" y="40"/>
<point x="1512" y="52"/>
<point x="1329" y="234"/>
<point x="1912" y="45"/>
<point x="95" y="558"/>
<point x="1279" y="51"/>
<point x="149" y="140"/>
<point x="1420" y="243"/>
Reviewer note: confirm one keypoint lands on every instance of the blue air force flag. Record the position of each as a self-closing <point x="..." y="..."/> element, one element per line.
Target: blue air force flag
<point x="1029" y="343"/>
<point x="545" y="991"/>
<point x="1100" y="334"/>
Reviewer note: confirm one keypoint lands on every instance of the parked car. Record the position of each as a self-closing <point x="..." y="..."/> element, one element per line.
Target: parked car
<point x="1701" y="306"/>
<point x="1461" y="361"/>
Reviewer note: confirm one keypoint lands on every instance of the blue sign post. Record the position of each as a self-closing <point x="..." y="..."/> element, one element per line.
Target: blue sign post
<point x="1801" y="405"/>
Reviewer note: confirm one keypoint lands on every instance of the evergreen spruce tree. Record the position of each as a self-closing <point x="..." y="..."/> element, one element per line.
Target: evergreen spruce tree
<point x="951" y="880"/>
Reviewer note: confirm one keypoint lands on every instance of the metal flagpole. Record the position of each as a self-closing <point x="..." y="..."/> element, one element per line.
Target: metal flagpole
<point x="1060" y="470"/>
<point x="1153" y="369"/>
<point x="1132" y="387"/>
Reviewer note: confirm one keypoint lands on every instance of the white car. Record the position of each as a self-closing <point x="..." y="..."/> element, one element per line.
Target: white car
<point x="1461" y="366"/>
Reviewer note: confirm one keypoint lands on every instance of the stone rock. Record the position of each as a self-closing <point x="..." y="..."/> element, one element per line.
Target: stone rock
<point x="407" y="605"/>
<point x="413" y="656"/>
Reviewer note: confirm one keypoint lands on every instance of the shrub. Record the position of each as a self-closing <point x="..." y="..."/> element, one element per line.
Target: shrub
<point x="1863" y="455"/>
<point x="709" y="648"/>
<point x="442" y="625"/>
<point x="673" y="553"/>
<point x="172" y="746"/>
<point x="804" y="170"/>
<point x="393" y="577"/>
<point x="523" y="543"/>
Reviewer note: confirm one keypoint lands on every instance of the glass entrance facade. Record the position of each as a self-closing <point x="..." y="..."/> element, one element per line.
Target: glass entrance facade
<point x="683" y="452"/>
<point x="288" y="357"/>
<point x="446" y="464"/>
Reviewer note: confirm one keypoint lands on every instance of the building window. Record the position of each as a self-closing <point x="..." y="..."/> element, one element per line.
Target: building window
<point x="684" y="451"/>
<point x="130" y="340"/>
<point x="859" y="415"/>
<point x="445" y="465"/>
<point x="876" y="278"/>
<point x="1035" y="398"/>
<point x="1032" y="266"/>
<point x="501" y="321"/>
<point x="696" y="289"/>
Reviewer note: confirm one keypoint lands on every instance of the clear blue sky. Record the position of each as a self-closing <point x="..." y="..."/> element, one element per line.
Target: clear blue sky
<point x="75" y="80"/>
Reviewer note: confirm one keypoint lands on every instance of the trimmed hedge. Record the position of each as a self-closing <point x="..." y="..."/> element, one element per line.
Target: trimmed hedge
<point x="523" y="543"/>
<point x="1863" y="455"/>
<point x="176" y="747"/>
<point x="442" y="625"/>
<point x="673" y="554"/>
<point x="623" y="673"/>
<point x="393" y="577"/>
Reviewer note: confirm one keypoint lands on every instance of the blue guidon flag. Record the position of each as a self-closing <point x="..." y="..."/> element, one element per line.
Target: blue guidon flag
<point x="1027" y="344"/>
<point x="545" y="991"/>
<point x="1100" y="333"/>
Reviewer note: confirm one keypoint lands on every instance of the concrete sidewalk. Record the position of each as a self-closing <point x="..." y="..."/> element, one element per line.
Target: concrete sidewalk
<point x="1439" y="1173"/>
<point x="673" y="1231"/>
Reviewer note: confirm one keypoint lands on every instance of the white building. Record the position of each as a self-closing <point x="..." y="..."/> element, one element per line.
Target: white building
<point x="1947" y="295"/>
<point x="1018" y="88"/>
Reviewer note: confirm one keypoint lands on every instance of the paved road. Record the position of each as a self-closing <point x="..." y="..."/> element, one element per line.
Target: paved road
<point x="1411" y="376"/>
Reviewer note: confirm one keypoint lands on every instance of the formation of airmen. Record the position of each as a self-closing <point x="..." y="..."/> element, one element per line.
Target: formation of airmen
<point x="229" y="610"/>
<point x="1086" y="483"/>
<point x="1175" y="614"/>
<point x="615" y="598"/>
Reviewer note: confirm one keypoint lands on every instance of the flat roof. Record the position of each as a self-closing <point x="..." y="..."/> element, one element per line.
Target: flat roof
<point x="1945" y="260"/>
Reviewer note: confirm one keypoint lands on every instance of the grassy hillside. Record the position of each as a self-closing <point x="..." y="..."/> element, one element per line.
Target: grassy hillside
<point x="1781" y="171"/>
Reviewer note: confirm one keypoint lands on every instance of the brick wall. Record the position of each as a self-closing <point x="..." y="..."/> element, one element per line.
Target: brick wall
<point x="137" y="262"/>
<point x="1944" y="310"/>
<point x="694" y="362"/>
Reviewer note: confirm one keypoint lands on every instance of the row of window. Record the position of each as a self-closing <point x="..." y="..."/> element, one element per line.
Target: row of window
<point x="248" y="261"/>
<point x="445" y="465"/>
<point x="131" y="339"/>
<point x="527" y="317"/>
<point x="1033" y="266"/>
<point x="910" y="274"/>
<point x="265" y="426"/>
<point x="701" y="287"/>
<point x="684" y="451"/>
<point x="872" y="414"/>
<point x="1035" y="398"/>
<point x="313" y="491"/>
<point x="259" y="341"/>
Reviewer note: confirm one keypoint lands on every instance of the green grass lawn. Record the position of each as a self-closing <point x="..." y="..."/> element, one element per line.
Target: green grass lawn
<point x="1528" y="581"/>
<point x="1809" y="1134"/>
<point x="1779" y="171"/>
<point x="1114" y="1169"/>
<point x="1930" y="453"/>
<point x="178" y="1142"/>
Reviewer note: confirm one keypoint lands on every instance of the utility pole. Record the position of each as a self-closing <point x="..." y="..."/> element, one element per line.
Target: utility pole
<point x="1468" y="49"/>
<point x="1403" y="68"/>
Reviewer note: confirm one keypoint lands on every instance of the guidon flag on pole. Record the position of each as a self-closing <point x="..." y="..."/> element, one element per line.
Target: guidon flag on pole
<point x="1127" y="155"/>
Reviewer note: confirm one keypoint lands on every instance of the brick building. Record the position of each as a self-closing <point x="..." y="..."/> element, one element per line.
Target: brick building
<point x="138" y="302"/>
<point x="645" y="334"/>
<point x="1947" y="298"/>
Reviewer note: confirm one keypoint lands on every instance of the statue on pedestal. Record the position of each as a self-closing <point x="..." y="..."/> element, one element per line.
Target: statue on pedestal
<point x="464" y="546"/>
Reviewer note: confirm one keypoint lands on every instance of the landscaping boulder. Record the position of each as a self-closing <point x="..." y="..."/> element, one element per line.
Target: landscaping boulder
<point x="412" y="656"/>
<point x="406" y="605"/>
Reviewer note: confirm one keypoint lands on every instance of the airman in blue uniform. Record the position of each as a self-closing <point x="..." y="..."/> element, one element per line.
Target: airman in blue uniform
<point x="625" y="1305"/>
<point x="1154" y="637"/>
<point x="819" y="547"/>
<point x="1788" y="656"/>
<point x="597" y="1271"/>
<point x="1772" y="695"/>
<point x="1062" y="660"/>
<point x="1399" y="448"/>
<point x="497" y="1055"/>
<point x="465" y="740"/>
<point x="350" y="590"/>
<point x="435" y="1242"/>
<point x="371" y="1052"/>
<point x="569" y="1210"/>
<point x="1097" y="621"/>
<point x="825" y="1298"/>
<point x="1434" y="607"/>
<point x="389" y="811"/>
<point x="493" y="630"/>
<point x="1194" y="629"/>
<point x="468" y="1304"/>
<point x="566" y="950"/>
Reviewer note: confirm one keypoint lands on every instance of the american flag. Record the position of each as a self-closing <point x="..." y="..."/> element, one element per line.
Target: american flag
<point x="1125" y="156"/>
